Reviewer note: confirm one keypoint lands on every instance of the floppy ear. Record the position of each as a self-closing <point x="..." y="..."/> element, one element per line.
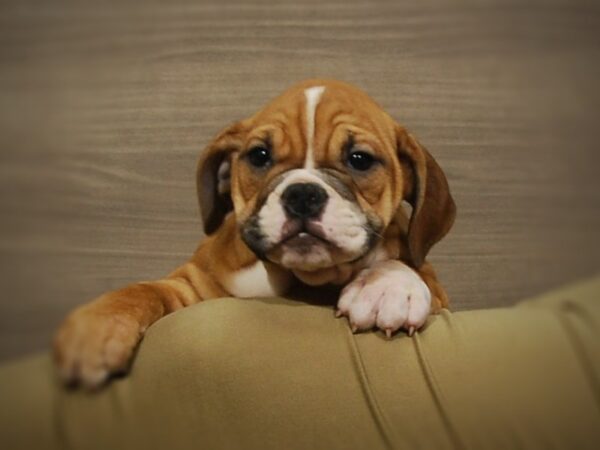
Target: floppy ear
<point x="426" y="189"/>
<point x="212" y="177"/>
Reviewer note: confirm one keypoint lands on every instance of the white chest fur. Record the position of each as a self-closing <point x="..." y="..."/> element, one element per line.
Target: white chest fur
<point x="257" y="281"/>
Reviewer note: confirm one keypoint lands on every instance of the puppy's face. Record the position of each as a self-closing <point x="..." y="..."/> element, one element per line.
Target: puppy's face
<point x="315" y="178"/>
<point x="316" y="182"/>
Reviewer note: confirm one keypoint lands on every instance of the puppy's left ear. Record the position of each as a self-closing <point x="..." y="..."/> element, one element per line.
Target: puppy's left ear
<point x="213" y="176"/>
<point x="426" y="189"/>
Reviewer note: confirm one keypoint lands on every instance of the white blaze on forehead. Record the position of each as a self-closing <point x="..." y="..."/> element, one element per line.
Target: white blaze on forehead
<point x="313" y="95"/>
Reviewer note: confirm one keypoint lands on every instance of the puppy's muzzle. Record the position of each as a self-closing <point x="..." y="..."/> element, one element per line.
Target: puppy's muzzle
<point x="304" y="201"/>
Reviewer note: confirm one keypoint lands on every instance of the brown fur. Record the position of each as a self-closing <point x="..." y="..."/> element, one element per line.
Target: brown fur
<point x="99" y="337"/>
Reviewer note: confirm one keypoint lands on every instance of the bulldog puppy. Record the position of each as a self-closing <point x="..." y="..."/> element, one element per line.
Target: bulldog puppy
<point x="310" y="188"/>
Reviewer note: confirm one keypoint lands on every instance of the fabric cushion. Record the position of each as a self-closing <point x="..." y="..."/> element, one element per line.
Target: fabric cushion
<point x="277" y="373"/>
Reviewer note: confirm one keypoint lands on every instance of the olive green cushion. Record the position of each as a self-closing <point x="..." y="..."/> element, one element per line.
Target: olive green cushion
<point x="281" y="374"/>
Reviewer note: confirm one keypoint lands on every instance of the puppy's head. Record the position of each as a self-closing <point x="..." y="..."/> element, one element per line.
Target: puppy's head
<point x="316" y="177"/>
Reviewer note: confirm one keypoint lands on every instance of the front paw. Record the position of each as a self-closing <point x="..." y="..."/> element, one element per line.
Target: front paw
<point x="389" y="295"/>
<point x="94" y="342"/>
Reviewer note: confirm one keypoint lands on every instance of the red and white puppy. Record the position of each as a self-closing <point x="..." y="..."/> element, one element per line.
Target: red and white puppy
<point x="310" y="188"/>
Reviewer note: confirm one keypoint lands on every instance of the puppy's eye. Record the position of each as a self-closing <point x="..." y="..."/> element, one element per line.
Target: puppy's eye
<point x="360" y="160"/>
<point x="259" y="157"/>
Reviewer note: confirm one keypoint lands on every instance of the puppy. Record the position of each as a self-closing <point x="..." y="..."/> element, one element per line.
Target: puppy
<point x="310" y="189"/>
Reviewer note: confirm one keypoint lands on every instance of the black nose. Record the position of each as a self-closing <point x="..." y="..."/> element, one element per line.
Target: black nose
<point x="304" y="200"/>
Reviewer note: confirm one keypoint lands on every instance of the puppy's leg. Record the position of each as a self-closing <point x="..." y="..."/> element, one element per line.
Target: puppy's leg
<point x="391" y="296"/>
<point x="439" y="298"/>
<point x="99" y="338"/>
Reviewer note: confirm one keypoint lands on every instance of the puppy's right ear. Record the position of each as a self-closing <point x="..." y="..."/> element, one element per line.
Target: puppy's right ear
<point x="212" y="176"/>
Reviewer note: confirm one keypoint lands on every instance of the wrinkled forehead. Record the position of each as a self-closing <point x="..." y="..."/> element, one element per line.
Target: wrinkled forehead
<point x="304" y="119"/>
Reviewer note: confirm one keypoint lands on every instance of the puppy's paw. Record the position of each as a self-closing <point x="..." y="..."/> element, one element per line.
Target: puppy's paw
<point x="94" y="343"/>
<point x="389" y="295"/>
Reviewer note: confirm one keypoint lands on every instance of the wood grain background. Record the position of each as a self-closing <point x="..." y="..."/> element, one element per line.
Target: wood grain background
<point x="105" y="107"/>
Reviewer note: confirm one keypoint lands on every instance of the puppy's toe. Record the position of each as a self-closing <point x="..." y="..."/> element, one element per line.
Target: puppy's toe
<point x="418" y="311"/>
<point x="419" y="305"/>
<point x="65" y="351"/>
<point x="93" y="373"/>
<point x="363" y="311"/>
<point x="394" y="310"/>
<point x="348" y="295"/>
<point x="118" y="351"/>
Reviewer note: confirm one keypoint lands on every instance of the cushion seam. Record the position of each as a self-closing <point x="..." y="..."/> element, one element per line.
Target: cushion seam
<point x="376" y="411"/>
<point x="436" y="394"/>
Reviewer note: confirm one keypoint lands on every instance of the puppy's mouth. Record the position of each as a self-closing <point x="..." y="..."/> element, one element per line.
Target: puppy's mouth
<point x="303" y="234"/>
